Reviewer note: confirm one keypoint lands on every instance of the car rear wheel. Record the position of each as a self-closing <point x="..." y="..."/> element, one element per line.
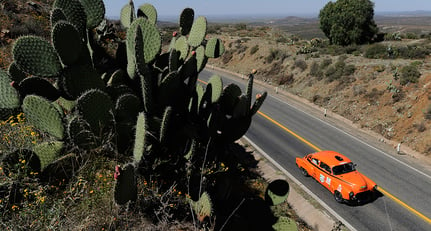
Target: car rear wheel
<point x="338" y="197"/>
<point x="304" y="172"/>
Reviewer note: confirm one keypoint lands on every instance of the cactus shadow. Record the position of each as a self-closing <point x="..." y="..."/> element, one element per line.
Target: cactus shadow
<point x="237" y="206"/>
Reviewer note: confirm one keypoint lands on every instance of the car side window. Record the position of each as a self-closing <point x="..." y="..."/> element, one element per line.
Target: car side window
<point x="325" y="167"/>
<point x="315" y="161"/>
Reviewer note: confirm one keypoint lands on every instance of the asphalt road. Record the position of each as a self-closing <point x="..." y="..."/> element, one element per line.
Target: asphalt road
<point x="406" y="207"/>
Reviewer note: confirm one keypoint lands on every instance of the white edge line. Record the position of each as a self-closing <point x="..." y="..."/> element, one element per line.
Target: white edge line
<point x="303" y="187"/>
<point x="356" y="138"/>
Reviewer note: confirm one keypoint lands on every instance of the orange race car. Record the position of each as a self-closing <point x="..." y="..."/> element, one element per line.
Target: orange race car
<point x="338" y="174"/>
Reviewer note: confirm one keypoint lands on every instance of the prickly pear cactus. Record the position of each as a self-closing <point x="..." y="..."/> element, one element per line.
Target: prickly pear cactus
<point x="285" y="224"/>
<point x="202" y="207"/>
<point x="125" y="186"/>
<point x="36" y="56"/>
<point x="9" y="97"/>
<point x="38" y="86"/>
<point x="43" y="115"/>
<point x="198" y="32"/>
<point x="277" y="192"/>
<point x="127" y="14"/>
<point x="67" y="42"/>
<point x="48" y="152"/>
<point x="95" y="11"/>
<point x="149" y="12"/>
<point x="96" y="108"/>
<point x="214" y="48"/>
<point x="186" y="20"/>
<point x="141" y="128"/>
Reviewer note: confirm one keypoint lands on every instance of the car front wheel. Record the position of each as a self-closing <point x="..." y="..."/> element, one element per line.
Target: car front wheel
<point x="304" y="172"/>
<point x="338" y="197"/>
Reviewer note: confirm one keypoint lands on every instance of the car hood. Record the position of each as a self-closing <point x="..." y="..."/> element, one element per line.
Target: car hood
<point x="356" y="179"/>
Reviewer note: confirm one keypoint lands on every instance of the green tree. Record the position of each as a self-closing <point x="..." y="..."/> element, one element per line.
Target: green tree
<point x="347" y="22"/>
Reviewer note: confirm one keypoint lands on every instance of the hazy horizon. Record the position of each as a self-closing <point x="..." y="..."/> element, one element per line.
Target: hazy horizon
<point x="268" y="9"/>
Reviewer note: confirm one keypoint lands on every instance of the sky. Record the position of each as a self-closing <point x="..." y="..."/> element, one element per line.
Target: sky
<point x="257" y="7"/>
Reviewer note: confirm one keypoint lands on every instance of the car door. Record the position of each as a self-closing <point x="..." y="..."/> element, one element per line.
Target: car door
<point x="313" y="166"/>
<point x="325" y="177"/>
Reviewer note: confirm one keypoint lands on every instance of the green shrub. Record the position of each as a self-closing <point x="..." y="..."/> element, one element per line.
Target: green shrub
<point x="275" y="54"/>
<point x="285" y="79"/>
<point x="254" y="49"/>
<point x="325" y="63"/>
<point x="315" y="70"/>
<point x="376" y="51"/>
<point x="409" y="74"/>
<point x="301" y="64"/>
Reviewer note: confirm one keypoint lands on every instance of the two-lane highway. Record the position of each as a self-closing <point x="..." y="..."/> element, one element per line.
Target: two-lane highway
<point x="284" y="132"/>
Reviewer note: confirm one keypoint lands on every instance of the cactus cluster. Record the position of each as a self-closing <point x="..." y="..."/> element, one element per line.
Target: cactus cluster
<point x="149" y="102"/>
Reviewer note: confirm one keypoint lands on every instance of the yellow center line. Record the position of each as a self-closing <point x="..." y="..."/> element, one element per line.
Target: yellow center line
<point x="289" y="131"/>
<point x="414" y="211"/>
<point x="386" y="193"/>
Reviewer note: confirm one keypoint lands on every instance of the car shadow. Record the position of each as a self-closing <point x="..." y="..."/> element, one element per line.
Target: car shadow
<point x="366" y="198"/>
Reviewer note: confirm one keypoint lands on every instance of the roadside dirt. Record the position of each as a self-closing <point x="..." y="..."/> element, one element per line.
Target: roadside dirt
<point x="367" y="102"/>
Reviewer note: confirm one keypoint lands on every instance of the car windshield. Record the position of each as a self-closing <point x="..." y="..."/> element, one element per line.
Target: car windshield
<point x="344" y="168"/>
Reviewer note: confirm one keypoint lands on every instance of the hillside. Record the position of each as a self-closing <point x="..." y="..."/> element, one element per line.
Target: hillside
<point x="370" y="94"/>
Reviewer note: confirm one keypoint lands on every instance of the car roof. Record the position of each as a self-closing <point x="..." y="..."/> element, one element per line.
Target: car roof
<point x="331" y="158"/>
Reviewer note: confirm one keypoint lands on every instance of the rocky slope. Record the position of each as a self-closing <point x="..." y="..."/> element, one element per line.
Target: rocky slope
<point x="369" y="94"/>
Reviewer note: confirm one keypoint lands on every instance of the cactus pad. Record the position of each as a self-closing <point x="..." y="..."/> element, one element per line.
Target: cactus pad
<point x="285" y="224"/>
<point x="139" y="147"/>
<point x="127" y="14"/>
<point x="203" y="206"/>
<point x="38" y="86"/>
<point x="198" y="32"/>
<point x="56" y="16"/>
<point x="127" y="107"/>
<point x="48" y="152"/>
<point x="95" y="11"/>
<point x="43" y="115"/>
<point x="166" y="123"/>
<point x="15" y="73"/>
<point x="150" y="35"/>
<point x="79" y="132"/>
<point x="125" y="187"/>
<point x="214" y="48"/>
<point x="149" y="12"/>
<point x="216" y="85"/>
<point x="67" y="42"/>
<point x="201" y="58"/>
<point x="182" y="46"/>
<point x="96" y="108"/>
<point x="77" y="79"/>
<point x="9" y="97"/>
<point x="277" y="192"/>
<point x="75" y="14"/>
<point x="36" y="56"/>
<point x="186" y="20"/>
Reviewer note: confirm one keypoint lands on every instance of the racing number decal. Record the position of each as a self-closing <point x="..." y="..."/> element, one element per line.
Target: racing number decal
<point x="322" y="179"/>
<point x="328" y="180"/>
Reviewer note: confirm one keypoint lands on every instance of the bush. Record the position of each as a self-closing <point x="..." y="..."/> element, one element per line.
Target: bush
<point x="254" y="49"/>
<point x="315" y="70"/>
<point x="285" y="79"/>
<point x="409" y="74"/>
<point x="325" y="63"/>
<point x="275" y="54"/>
<point x="301" y="64"/>
<point x="376" y="51"/>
